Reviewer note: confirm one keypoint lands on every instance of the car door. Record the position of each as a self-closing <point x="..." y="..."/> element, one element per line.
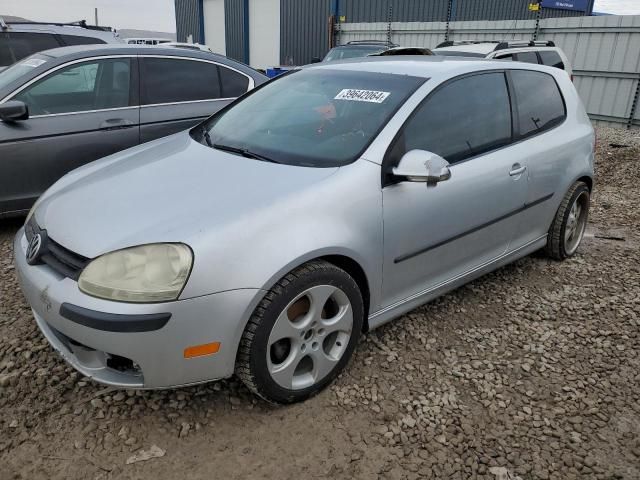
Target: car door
<point x="79" y="112"/>
<point x="433" y="234"/>
<point x="178" y="92"/>
<point x="547" y="148"/>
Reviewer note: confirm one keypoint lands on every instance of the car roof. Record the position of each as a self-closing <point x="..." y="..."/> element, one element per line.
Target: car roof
<point x="70" y="29"/>
<point x="425" y="66"/>
<point x="80" y="51"/>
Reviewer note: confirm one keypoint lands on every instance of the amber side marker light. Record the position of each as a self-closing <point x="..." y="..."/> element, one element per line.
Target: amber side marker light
<point x="201" y="350"/>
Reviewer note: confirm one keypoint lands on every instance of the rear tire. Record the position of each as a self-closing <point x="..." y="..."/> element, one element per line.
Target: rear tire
<point x="302" y="334"/>
<point x="569" y="224"/>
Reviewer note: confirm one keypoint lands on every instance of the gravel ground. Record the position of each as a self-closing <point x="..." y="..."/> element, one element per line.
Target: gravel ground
<point x="529" y="373"/>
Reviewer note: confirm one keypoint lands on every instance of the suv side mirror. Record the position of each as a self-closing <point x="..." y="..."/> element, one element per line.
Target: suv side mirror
<point x="423" y="166"/>
<point x="316" y="60"/>
<point x="13" y="110"/>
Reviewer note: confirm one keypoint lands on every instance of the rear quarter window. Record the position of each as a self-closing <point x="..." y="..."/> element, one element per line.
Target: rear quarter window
<point x="233" y="83"/>
<point x="539" y="102"/>
<point x="551" y="58"/>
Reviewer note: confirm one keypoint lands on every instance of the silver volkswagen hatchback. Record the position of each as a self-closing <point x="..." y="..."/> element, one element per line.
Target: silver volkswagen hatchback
<point x="320" y="205"/>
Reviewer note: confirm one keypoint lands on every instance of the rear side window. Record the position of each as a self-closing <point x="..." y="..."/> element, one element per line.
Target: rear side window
<point x="551" y="58"/>
<point x="167" y="80"/>
<point x="78" y="40"/>
<point x="462" y="119"/>
<point x="540" y="104"/>
<point x="234" y="84"/>
<point x="15" y="46"/>
<point x="527" y="57"/>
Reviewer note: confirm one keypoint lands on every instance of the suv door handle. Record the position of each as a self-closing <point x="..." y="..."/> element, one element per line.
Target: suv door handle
<point x="517" y="169"/>
<point x="116" y="123"/>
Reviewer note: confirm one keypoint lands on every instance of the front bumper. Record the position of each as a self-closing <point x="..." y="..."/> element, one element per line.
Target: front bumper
<point x="136" y="359"/>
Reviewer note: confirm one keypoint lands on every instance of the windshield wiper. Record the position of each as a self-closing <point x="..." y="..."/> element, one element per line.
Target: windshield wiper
<point x="207" y="136"/>
<point x="240" y="151"/>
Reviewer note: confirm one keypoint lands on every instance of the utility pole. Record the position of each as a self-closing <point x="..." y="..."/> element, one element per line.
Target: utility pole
<point x="96" y="14"/>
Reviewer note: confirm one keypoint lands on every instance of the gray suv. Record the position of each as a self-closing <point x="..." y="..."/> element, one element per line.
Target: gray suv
<point x="19" y="39"/>
<point x="65" y="107"/>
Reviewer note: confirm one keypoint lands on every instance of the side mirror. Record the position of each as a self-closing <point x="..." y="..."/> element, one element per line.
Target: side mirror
<point x="13" y="110"/>
<point x="316" y="60"/>
<point x="423" y="166"/>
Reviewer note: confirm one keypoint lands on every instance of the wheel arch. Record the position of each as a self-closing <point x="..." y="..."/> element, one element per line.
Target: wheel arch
<point x="347" y="260"/>
<point x="588" y="180"/>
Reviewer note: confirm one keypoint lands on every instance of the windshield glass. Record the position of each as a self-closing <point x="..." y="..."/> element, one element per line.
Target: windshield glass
<point x="340" y="53"/>
<point x="458" y="53"/>
<point x="314" y="117"/>
<point x="18" y="69"/>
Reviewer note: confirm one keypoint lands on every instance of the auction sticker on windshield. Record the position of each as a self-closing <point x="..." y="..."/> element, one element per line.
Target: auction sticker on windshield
<point x="356" y="95"/>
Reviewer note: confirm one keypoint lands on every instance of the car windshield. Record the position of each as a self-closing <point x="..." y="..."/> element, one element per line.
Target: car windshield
<point x="458" y="53"/>
<point x="22" y="67"/>
<point x="312" y="117"/>
<point x="340" y="53"/>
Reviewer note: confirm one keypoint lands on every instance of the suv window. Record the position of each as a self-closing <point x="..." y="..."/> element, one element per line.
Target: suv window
<point x="168" y="80"/>
<point x="78" y="40"/>
<point x="234" y="84"/>
<point x="15" y="46"/>
<point x="540" y="104"/>
<point x="81" y="87"/>
<point x="528" y="57"/>
<point x="551" y="58"/>
<point x="464" y="118"/>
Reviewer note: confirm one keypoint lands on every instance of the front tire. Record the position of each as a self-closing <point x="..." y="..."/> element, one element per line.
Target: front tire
<point x="302" y="334"/>
<point x="570" y="222"/>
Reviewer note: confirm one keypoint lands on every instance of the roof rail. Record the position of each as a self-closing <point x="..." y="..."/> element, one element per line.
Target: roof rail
<point x="77" y="23"/>
<point x="451" y="43"/>
<point x="373" y="42"/>
<point x="524" y="43"/>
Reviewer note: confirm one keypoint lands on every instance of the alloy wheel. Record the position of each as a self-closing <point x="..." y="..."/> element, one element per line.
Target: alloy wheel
<point x="309" y="337"/>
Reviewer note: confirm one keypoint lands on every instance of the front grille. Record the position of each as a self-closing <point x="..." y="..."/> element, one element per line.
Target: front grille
<point x="60" y="259"/>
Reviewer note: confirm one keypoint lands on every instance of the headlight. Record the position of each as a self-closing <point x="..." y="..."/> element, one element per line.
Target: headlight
<point x="148" y="273"/>
<point x="33" y="209"/>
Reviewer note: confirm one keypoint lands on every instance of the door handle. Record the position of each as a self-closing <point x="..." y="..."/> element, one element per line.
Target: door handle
<point x="116" y="123"/>
<point x="517" y="169"/>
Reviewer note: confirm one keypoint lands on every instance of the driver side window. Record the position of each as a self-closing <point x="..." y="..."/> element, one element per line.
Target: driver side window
<point x="463" y="118"/>
<point x="81" y="87"/>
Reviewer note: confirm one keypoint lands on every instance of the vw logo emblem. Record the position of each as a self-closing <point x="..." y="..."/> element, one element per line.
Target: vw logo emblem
<point x="33" y="250"/>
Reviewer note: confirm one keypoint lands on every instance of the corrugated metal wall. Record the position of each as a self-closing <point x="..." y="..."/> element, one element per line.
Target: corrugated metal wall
<point x="188" y="18"/>
<point x="604" y="52"/>
<point x="401" y="10"/>
<point x="235" y="36"/>
<point x="304" y="30"/>
<point x="360" y="11"/>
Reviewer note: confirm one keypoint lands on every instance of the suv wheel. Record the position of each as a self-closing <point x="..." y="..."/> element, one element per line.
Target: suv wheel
<point x="570" y="222"/>
<point x="302" y="334"/>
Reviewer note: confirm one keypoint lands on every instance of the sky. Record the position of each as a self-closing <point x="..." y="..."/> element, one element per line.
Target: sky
<point x="157" y="15"/>
<point x="617" y="7"/>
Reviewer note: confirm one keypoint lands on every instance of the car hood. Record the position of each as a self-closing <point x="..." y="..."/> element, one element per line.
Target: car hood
<point x="169" y="190"/>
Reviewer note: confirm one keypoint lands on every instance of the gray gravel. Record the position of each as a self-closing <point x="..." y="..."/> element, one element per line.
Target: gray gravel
<point x="532" y="372"/>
